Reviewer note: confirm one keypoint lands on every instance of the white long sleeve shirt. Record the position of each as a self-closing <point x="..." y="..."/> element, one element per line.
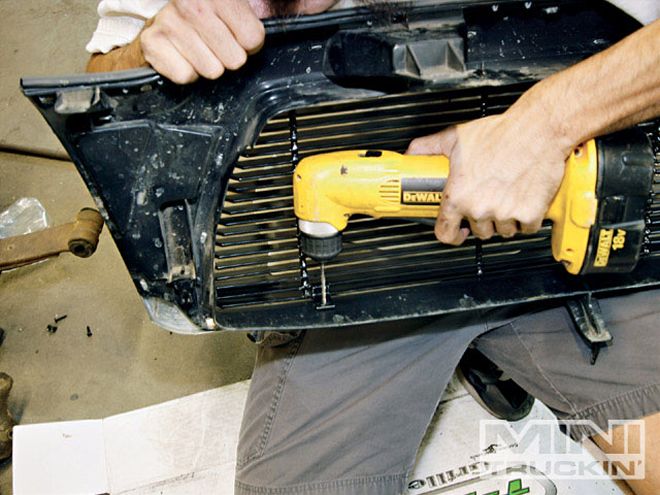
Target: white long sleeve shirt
<point x="120" y="21"/>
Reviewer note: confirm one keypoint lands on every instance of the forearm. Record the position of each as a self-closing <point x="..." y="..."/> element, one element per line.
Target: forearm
<point x="505" y="169"/>
<point x="122" y="58"/>
<point x="609" y="91"/>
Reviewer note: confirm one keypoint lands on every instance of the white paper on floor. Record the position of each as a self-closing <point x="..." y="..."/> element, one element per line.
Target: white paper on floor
<point x="66" y="457"/>
<point x="451" y="460"/>
<point x="188" y="446"/>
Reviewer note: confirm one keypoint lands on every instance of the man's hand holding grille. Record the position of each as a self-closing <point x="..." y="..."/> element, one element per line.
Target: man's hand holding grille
<point x="189" y="39"/>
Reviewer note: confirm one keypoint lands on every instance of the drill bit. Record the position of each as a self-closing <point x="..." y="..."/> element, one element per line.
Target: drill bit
<point x="324" y="293"/>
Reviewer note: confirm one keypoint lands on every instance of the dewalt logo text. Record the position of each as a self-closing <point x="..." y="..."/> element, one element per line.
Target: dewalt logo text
<point x="608" y="242"/>
<point x="604" y="247"/>
<point x="422" y="197"/>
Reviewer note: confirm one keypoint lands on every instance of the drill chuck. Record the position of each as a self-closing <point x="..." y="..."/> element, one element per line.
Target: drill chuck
<point x="320" y="249"/>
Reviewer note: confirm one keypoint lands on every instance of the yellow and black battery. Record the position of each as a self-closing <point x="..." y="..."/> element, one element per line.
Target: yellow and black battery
<point x="623" y="189"/>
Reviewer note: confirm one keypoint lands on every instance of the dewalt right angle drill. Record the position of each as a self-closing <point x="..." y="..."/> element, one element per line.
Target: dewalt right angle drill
<point x="597" y="214"/>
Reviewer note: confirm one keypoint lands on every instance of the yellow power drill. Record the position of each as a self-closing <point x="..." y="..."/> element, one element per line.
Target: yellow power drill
<point x="597" y="213"/>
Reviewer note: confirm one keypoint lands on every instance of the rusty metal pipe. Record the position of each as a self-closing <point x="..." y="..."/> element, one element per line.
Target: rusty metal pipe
<point x="80" y="237"/>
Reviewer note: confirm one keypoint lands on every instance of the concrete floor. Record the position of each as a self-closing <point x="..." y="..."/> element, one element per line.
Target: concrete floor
<point x="38" y="38"/>
<point x="128" y="362"/>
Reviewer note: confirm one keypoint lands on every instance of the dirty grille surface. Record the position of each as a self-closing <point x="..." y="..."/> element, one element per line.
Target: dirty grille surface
<point x="258" y="261"/>
<point x="653" y="217"/>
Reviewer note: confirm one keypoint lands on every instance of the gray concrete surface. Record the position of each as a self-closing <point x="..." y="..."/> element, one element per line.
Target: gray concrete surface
<point x="38" y="38"/>
<point x="128" y="362"/>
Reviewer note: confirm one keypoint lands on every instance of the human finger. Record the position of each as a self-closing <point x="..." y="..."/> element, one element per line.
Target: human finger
<point x="243" y="23"/>
<point x="440" y="143"/>
<point x="197" y="53"/>
<point x="162" y="55"/>
<point x="483" y="229"/>
<point x="506" y="228"/>
<point x="448" y="228"/>
<point x="222" y="43"/>
<point x="177" y="25"/>
<point x="189" y="39"/>
<point x="531" y="227"/>
<point x="530" y="215"/>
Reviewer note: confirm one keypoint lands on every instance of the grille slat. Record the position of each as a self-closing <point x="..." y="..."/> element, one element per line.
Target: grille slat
<point x="256" y="219"/>
<point x="263" y="162"/>
<point x="262" y="172"/>
<point x="278" y="194"/>
<point x="253" y="274"/>
<point x="374" y="121"/>
<point x="223" y="264"/>
<point x="431" y="273"/>
<point x="258" y="249"/>
<point x="269" y="227"/>
<point x="251" y="185"/>
<point x="263" y="207"/>
<point x="380" y="135"/>
<point x="251" y="238"/>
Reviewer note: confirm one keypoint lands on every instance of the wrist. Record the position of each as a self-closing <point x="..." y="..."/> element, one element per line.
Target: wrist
<point x="130" y="56"/>
<point x="135" y="54"/>
<point x="541" y="114"/>
<point x="126" y="57"/>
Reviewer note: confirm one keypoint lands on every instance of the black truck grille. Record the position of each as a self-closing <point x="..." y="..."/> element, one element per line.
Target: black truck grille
<point x="257" y="260"/>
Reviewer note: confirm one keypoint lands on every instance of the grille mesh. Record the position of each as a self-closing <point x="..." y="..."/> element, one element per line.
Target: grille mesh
<point x="257" y="256"/>
<point x="653" y="217"/>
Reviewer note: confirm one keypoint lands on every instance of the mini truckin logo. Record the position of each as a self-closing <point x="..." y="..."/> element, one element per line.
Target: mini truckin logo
<point x="545" y="445"/>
